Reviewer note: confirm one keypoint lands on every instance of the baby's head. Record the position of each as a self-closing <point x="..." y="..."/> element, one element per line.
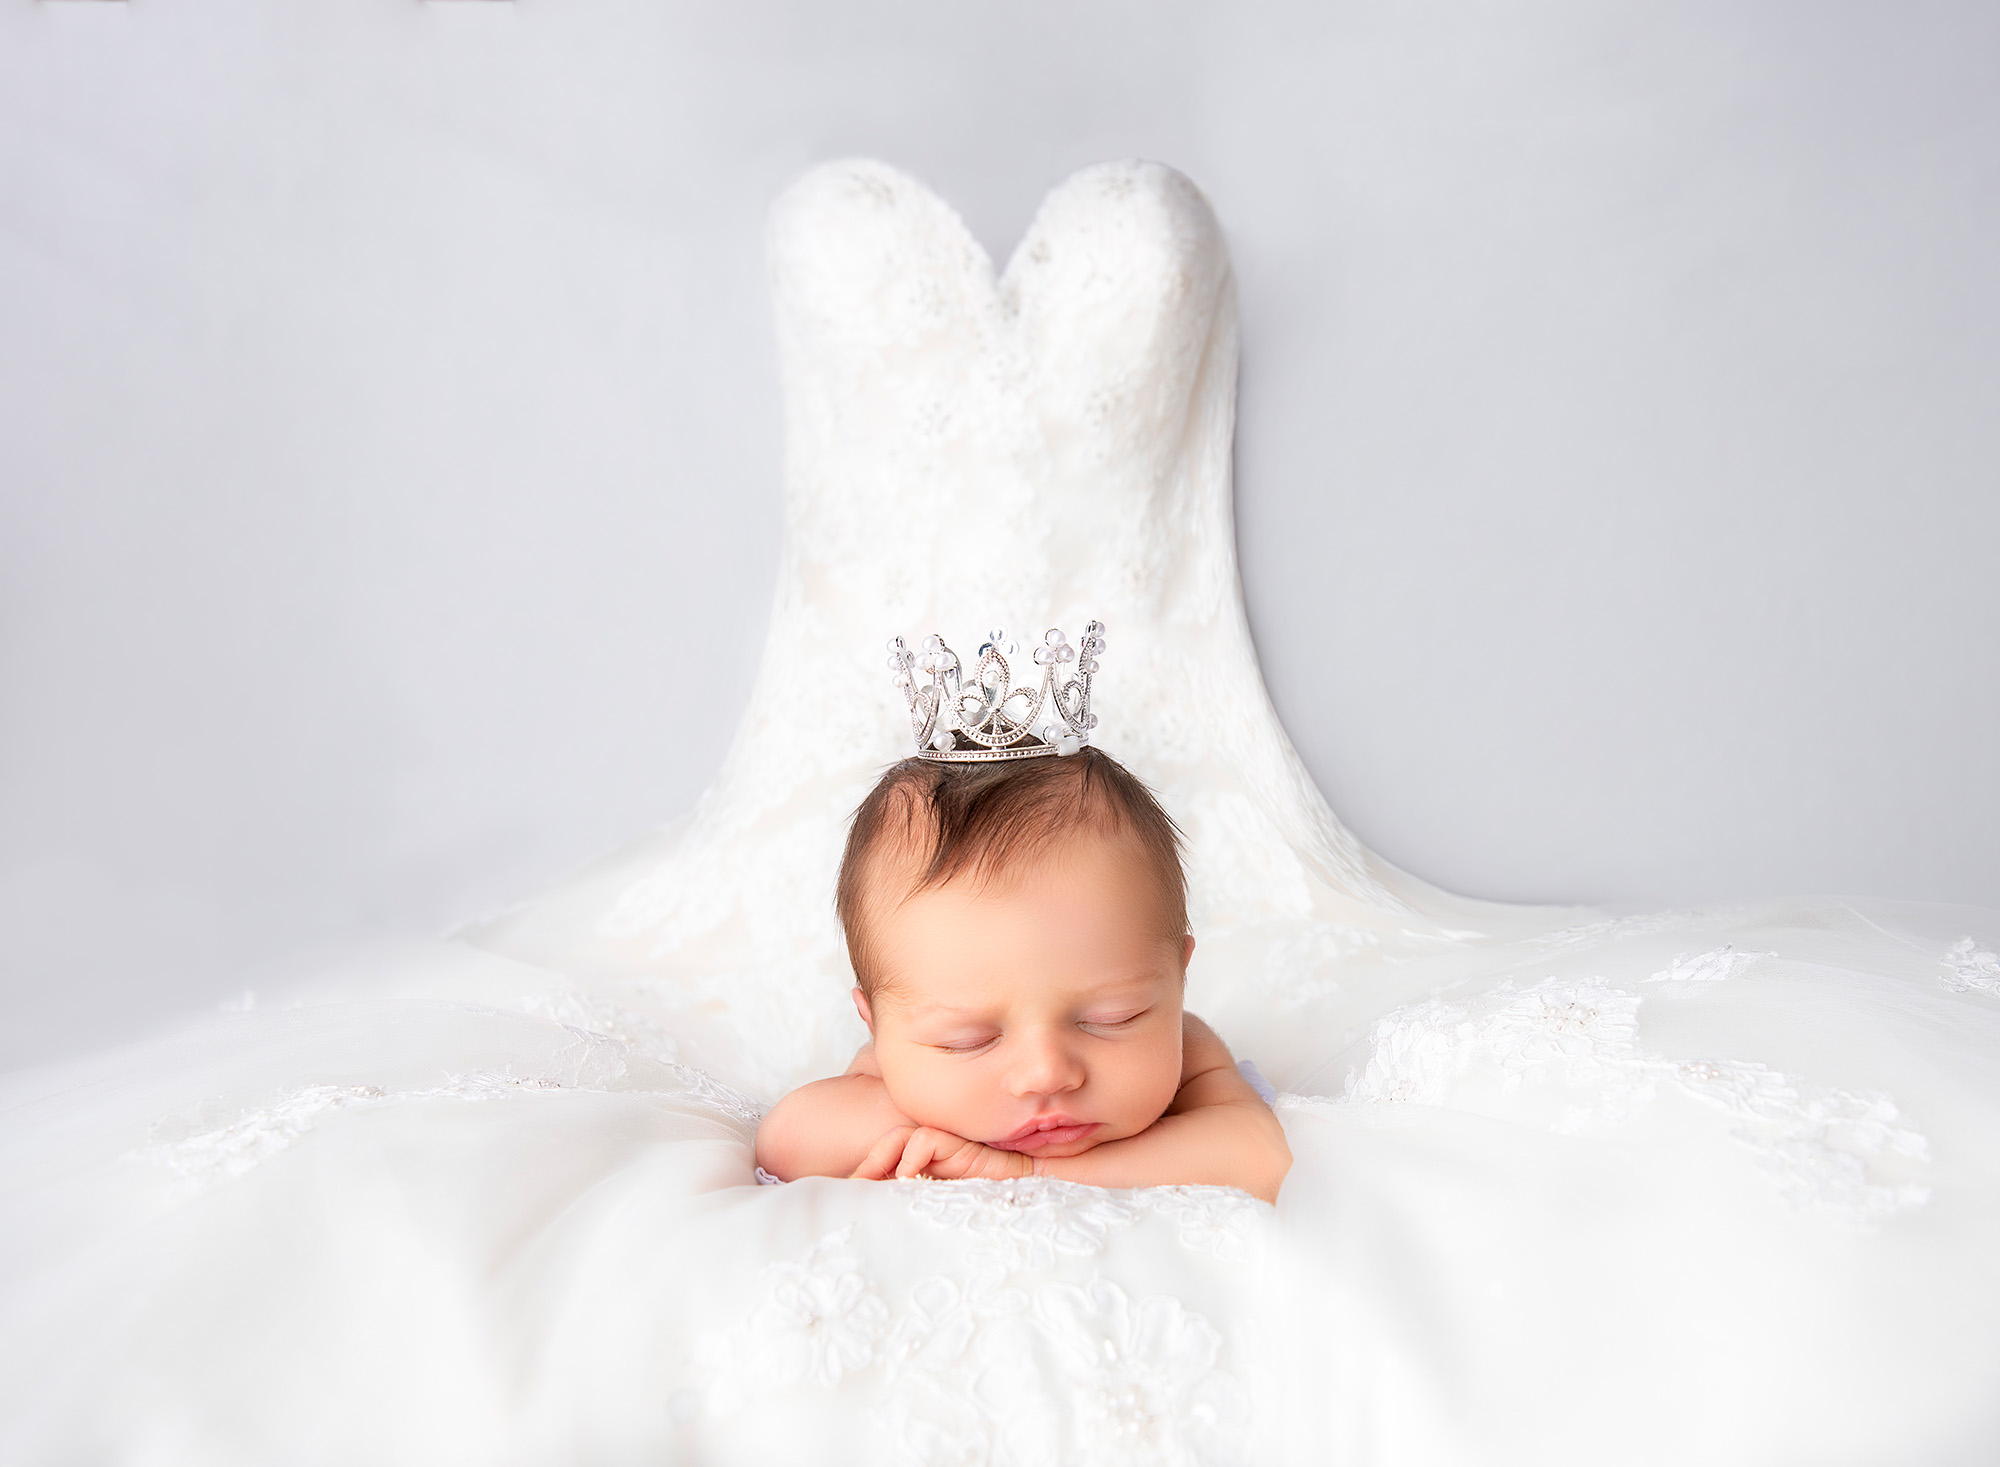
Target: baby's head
<point x="1019" y="934"/>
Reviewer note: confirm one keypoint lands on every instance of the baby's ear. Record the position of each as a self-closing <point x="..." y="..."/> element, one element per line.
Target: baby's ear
<point x="1187" y="953"/>
<point x="861" y="1006"/>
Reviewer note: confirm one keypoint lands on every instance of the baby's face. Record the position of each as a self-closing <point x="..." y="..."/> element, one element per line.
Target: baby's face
<point x="1038" y="1012"/>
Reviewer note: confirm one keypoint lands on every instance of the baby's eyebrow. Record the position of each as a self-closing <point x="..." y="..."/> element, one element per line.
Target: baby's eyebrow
<point x="935" y="1007"/>
<point x="1136" y="986"/>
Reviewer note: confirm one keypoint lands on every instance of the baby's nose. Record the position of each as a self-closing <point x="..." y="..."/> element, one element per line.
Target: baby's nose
<point x="1044" y="1066"/>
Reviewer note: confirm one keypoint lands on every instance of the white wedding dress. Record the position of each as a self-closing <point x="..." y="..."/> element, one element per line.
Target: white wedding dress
<point x="1717" y="1187"/>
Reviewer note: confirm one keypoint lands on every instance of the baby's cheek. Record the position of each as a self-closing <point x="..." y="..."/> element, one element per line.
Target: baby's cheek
<point x="1149" y="1085"/>
<point x="932" y="1099"/>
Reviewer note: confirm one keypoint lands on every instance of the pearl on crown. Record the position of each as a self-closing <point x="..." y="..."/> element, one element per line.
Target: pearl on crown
<point x="1054" y="651"/>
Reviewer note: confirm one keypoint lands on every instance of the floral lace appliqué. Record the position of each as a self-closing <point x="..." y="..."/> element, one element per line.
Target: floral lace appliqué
<point x="632" y="1033"/>
<point x="1026" y="1222"/>
<point x="1575" y="1029"/>
<point x="1816" y="1143"/>
<point x="203" y="1151"/>
<point x="595" y="1014"/>
<point x="816" y="1320"/>
<point x="1004" y="1377"/>
<point x="1220" y="1221"/>
<point x="1710" y="967"/>
<point x="1583" y="1028"/>
<point x="1413" y="1056"/>
<point x="1968" y="969"/>
<point x="718" y="1097"/>
<point x="208" y="1146"/>
<point x="1139" y="1382"/>
<point x="1030" y="1222"/>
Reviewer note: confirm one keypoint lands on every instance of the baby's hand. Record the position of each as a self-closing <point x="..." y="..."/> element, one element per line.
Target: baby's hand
<point x="912" y="1151"/>
<point x="933" y="1153"/>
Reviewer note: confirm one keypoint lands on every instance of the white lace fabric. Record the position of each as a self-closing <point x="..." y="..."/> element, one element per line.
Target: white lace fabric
<point x="1689" y="1186"/>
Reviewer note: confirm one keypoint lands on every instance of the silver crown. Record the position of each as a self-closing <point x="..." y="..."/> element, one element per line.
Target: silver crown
<point x="985" y="716"/>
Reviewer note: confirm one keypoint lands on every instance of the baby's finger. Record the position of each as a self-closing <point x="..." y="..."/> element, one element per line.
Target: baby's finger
<point x="948" y="1160"/>
<point x="925" y="1150"/>
<point x="917" y="1152"/>
<point x="1004" y="1165"/>
<point x="881" y="1158"/>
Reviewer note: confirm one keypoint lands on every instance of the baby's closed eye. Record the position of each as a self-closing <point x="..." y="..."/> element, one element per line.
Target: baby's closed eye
<point x="965" y="1044"/>
<point x="1114" y="1021"/>
<point x="1106" y="1023"/>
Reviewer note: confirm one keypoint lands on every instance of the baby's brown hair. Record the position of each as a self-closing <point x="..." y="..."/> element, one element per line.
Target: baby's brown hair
<point x="981" y="817"/>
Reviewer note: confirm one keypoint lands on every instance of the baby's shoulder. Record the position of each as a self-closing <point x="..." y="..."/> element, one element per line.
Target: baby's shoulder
<point x="863" y="1062"/>
<point x="1202" y="1048"/>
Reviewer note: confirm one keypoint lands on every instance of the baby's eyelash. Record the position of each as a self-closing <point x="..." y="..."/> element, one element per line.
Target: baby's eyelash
<point x="1114" y="1023"/>
<point x="971" y="1048"/>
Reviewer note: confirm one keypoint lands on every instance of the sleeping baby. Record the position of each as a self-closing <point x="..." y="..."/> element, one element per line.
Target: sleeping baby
<point x="1019" y="932"/>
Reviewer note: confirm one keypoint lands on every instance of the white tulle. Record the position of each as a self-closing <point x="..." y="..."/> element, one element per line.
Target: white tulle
<point x="1696" y="1186"/>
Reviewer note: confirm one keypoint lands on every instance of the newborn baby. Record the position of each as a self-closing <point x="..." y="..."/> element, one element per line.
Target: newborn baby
<point x="1019" y="932"/>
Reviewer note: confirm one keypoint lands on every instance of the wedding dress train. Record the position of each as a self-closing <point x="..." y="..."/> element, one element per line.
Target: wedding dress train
<point x="1714" y="1186"/>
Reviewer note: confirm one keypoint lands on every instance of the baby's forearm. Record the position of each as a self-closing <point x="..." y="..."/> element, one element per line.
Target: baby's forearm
<point x="825" y="1129"/>
<point x="1226" y="1145"/>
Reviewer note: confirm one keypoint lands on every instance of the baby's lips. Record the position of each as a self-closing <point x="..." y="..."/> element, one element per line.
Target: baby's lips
<point x="1057" y="1130"/>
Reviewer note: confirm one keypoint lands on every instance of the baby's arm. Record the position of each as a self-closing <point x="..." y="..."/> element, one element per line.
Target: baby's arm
<point x="828" y="1128"/>
<point x="1218" y="1131"/>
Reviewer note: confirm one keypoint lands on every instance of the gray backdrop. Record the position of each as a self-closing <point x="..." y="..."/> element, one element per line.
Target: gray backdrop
<point x="388" y="452"/>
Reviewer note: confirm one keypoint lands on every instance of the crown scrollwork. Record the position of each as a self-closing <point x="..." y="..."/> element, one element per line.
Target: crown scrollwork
<point x="960" y="717"/>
